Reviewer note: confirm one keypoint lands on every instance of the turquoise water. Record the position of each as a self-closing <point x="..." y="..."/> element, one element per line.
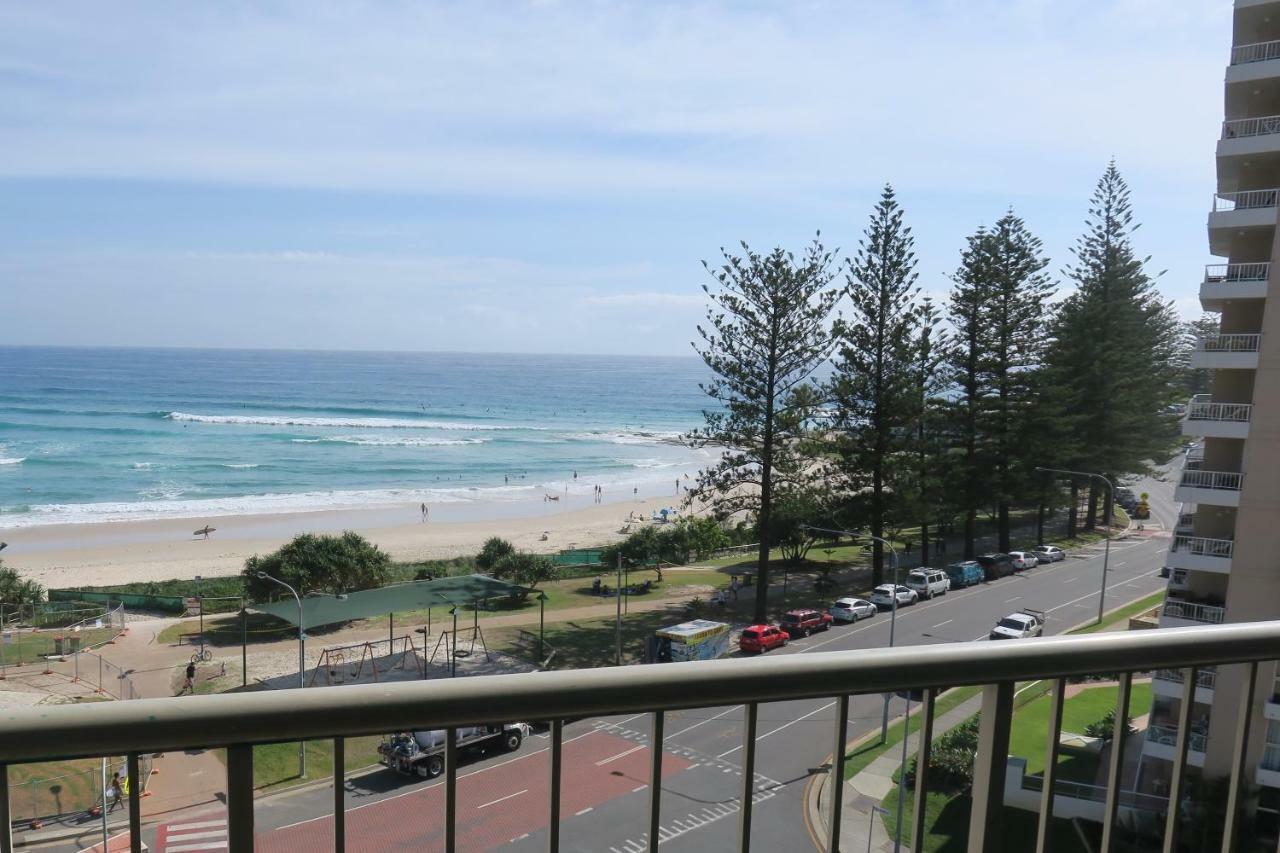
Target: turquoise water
<point x="121" y="434"/>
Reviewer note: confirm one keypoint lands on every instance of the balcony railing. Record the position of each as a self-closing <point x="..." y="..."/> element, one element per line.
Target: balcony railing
<point x="1257" y="52"/>
<point x="1210" y="614"/>
<point x="1232" y="273"/>
<point x="1206" y="677"/>
<point x="1242" y="127"/>
<point x="238" y="722"/>
<point x="1229" y="343"/>
<point x="1202" y="408"/>
<point x="1098" y="794"/>
<point x="1246" y="200"/>
<point x="1270" y="757"/>
<point x="1168" y="736"/>
<point x="1198" y="478"/>
<point x="1186" y="521"/>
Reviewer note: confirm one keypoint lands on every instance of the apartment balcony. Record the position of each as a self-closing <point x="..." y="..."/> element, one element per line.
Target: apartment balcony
<point x="1216" y="420"/>
<point x="1186" y="523"/>
<point x="1214" y="488"/>
<point x="1236" y="212"/>
<point x="1269" y="766"/>
<point x="1186" y="613"/>
<point x="1179" y="580"/>
<point x="1256" y="61"/>
<point x="1200" y="554"/>
<point x="1162" y="742"/>
<point x="1168" y="682"/>
<point x="1247" y="147"/>
<point x="238" y="722"/>
<point x="1224" y="282"/>
<point x="1227" y="352"/>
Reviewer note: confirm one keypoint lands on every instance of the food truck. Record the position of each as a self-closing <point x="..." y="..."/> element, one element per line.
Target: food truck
<point x="700" y="639"/>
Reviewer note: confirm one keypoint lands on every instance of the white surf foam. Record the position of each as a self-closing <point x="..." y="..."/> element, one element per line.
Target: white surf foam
<point x="350" y="423"/>
<point x="12" y="460"/>
<point x="391" y="441"/>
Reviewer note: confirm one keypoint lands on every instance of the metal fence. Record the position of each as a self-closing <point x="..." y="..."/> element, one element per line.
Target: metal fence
<point x="238" y="722"/>
<point x="1168" y="736"/>
<point x="1210" y="614"/>
<point x="1206" y="677"/>
<point x="1201" y="546"/>
<point x="1257" y="52"/>
<point x="1209" y="411"/>
<point x="1200" y="479"/>
<point x="1246" y="200"/>
<point x="1230" y="273"/>
<point x="1242" y="127"/>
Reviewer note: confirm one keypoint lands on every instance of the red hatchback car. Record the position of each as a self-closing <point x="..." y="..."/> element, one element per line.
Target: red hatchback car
<point x="761" y="638"/>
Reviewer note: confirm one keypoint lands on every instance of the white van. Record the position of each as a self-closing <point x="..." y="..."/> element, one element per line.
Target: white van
<point x="928" y="582"/>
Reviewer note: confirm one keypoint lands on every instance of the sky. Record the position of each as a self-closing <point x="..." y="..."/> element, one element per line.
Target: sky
<point x="548" y="176"/>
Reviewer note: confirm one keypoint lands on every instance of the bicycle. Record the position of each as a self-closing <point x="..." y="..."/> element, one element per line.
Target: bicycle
<point x="202" y="656"/>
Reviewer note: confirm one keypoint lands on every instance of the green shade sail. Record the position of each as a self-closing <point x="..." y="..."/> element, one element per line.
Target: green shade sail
<point x="416" y="595"/>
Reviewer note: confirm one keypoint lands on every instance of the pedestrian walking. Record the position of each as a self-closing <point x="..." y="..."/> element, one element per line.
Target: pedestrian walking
<point x="189" y="683"/>
<point x="423" y="510"/>
<point x="117" y="791"/>
<point x="733" y="587"/>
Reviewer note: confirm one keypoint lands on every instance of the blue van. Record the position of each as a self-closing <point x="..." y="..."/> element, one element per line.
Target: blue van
<point x="965" y="574"/>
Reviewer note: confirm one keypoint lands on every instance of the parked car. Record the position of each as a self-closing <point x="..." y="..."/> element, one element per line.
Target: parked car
<point x="852" y="609"/>
<point x="1018" y="626"/>
<point x="1023" y="560"/>
<point x="802" y="623"/>
<point x="883" y="595"/>
<point x="996" y="566"/>
<point x="761" y="638"/>
<point x="1053" y="552"/>
<point x="965" y="574"/>
<point x="928" y="582"/>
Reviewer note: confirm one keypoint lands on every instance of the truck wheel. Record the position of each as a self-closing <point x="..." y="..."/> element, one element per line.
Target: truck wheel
<point x="435" y="766"/>
<point x="512" y="740"/>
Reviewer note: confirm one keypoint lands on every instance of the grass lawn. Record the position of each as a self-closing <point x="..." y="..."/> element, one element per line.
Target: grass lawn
<point x="56" y="787"/>
<point x="857" y="759"/>
<point x="26" y="646"/>
<point x="275" y="765"/>
<point x="1123" y="614"/>
<point x="947" y="822"/>
<point x="1029" y="737"/>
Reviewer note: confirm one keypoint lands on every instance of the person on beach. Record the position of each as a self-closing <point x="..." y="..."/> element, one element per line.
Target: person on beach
<point x="422" y="508"/>
<point x="189" y="683"/>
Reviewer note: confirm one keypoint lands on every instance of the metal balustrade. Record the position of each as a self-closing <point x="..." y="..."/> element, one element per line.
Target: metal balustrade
<point x="1202" y="410"/>
<point x="1232" y="273"/>
<point x="1210" y="614"/>
<point x="1244" y="127"/>
<point x="1186" y="521"/>
<point x="1270" y="757"/>
<point x="1245" y="200"/>
<point x="1198" y="478"/>
<point x="1229" y="343"/>
<point x="1098" y="794"/>
<point x="1168" y="736"/>
<point x="1260" y="51"/>
<point x="1206" y="677"/>
<point x="238" y="722"/>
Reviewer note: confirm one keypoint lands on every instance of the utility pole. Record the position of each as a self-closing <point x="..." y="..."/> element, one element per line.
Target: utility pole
<point x="618" y="593"/>
<point x="1106" y="551"/>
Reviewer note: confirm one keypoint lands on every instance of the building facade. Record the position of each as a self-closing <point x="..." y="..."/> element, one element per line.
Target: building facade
<point x="1224" y="557"/>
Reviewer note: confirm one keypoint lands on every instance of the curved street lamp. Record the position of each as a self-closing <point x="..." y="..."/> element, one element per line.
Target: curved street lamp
<point x="302" y="662"/>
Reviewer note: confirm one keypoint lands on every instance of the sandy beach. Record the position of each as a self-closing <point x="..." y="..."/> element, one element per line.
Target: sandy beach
<point x="109" y="553"/>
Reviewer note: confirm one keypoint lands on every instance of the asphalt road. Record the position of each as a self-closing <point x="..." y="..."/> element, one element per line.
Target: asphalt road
<point x="503" y="798"/>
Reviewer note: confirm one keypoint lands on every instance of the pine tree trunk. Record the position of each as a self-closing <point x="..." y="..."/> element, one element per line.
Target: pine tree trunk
<point x="1073" y="512"/>
<point x="970" y="533"/>
<point x="1003" y="521"/>
<point x="1040" y="524"/>
<point x="924" y="543"/>
<point x="1091" y="512"/>
<point x="877" y="526"/>
<point x="1108" y="510"/>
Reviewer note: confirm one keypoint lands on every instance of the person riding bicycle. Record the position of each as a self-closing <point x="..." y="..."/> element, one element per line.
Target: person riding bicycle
<point x="189" y="683"/>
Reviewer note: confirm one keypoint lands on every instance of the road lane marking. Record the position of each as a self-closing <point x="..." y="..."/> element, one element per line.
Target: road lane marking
<point x="638" y="788"/>
<point x="940" y="624"/>
<point x="602" y="762"/>
<point x="704" y="722"/>
<point x="1070" y="580"/>
<point x="1012" y="600"/>
<point x="502" y="799"/>
<point x="779" y="728"/>
<point x="583" y="811"/>
<point x="205" y="824"/>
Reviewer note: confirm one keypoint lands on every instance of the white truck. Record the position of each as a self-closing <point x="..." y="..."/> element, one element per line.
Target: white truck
<point x="423" y="752"/>
<point x="1018" y="626"/>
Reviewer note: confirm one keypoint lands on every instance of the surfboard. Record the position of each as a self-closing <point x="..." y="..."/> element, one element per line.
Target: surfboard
<point x="204" y="531"/>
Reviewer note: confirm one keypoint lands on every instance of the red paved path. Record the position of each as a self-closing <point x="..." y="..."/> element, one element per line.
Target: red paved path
<point x="596" y="770"/>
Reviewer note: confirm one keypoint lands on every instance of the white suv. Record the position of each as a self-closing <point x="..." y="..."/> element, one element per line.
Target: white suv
<point x="928" y="582"/>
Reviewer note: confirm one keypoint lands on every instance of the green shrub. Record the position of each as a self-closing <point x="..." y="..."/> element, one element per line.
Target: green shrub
<point x="1106" y="727"/>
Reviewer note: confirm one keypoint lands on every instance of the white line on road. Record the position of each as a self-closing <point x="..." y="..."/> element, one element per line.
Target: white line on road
<point x="704" y="722"/>
<point x="502" y="799"/>
<point x="583" y="811"/>
<point x="779" y="728"/>
<point x="1070" y="580"/>
<point x="204" y="824"/>
<point x="602" y="762"/>
<point x="638" y="788"/>
<point x="940" y="624"/>
<point x="202" y="845"/>
<point x="1012" y="600"/>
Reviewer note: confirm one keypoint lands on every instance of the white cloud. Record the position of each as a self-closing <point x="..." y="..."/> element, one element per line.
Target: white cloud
<point x="550" y="99"/>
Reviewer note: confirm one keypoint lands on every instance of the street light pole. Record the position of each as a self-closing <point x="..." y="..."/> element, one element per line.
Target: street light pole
<point x="1106" y="550"/>
<point x="302" y="663"/>
<point x="893" y="617"/>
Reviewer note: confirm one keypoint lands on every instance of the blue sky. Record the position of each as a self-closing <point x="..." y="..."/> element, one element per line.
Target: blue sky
<point x="546" y="176"/>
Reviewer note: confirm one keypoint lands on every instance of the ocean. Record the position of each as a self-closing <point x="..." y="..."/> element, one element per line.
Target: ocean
<point x="96" y="435"/>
